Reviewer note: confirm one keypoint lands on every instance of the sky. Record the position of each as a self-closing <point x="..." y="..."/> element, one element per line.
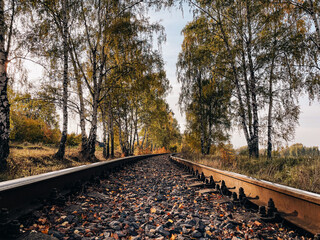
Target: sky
<point x="308" y="131"/>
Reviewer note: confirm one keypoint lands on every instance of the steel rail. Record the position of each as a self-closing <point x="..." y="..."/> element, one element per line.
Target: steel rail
<point x="20" y="196"/>
<point x="298" y="207"/>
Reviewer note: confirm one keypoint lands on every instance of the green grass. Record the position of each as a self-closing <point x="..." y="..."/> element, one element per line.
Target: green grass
<point x="298" y="172"/>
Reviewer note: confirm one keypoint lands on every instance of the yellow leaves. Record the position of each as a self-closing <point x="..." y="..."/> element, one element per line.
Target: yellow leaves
<point x="301" y="26"/>
<point x="173" y="237"/>
<point x="65" y="223"/>
<point x="42" y="227"/>
<point x="153" y="210"/>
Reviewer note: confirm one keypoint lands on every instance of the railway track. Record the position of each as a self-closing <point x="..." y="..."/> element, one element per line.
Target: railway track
<point x="298" y="207"/>
<point x="150" y="199"/>
<point x="19" y="197"/>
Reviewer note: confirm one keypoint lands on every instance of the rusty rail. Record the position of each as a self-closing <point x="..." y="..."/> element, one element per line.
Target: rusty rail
<point x="22" y="195"/>
<point x="298" y="207"/>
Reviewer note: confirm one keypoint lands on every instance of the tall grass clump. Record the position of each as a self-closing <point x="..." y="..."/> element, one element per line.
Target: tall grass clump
<point x="295" y="166"/>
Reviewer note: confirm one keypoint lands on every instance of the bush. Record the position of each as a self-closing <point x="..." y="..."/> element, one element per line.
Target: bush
<point x="24" y="129"/>
<point x="73" y="140"/>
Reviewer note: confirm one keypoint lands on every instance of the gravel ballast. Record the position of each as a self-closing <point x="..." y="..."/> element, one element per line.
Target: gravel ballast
<point x="150" y="200"/>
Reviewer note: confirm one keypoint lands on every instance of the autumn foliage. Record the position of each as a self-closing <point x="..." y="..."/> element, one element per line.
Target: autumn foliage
<point x="31" y="130"/>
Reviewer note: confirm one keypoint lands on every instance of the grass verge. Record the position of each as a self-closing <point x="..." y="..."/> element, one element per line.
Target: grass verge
<point x="27" y="160"/>
<point x="298" y="172"/>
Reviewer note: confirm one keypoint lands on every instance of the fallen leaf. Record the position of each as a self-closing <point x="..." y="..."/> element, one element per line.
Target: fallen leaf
<point x="42" y="220"/>
<point x="45" y="230"/>
<point x="257" y="223"/>
<point x="173" y="237"/>
<point x="64" y="223"/>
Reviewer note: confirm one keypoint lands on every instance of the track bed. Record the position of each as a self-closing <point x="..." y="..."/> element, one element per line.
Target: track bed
<point x="151" y="199"/>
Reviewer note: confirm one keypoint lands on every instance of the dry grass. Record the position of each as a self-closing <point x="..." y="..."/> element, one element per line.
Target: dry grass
<point x="297" y="172"/>
<point x="27" y="160"/>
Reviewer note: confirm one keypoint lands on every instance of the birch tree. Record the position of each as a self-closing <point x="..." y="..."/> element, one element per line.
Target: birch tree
<point x="205" y="95"/>
<point x="48" y="42"/>
<point x="62" y="145"/>
<point x="308" y="10"/>
<point x="6" y="34"/>
<point x="261" y="50"/>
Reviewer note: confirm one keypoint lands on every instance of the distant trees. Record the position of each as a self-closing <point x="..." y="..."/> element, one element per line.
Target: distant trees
<point x="298" y="150"/>
<point x="258" y="50"/>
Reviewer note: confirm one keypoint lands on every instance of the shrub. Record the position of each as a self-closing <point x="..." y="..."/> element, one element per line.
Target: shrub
<point x="24" y="129"/>
<point x="73" y="139"/>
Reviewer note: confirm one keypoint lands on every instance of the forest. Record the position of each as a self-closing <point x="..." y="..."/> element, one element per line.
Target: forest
<point x="246" y="64"/>
<point x="243" y="64"/>
<point x="99" y="65"/>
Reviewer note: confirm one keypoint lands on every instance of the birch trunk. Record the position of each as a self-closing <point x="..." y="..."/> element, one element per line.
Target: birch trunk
<point x="93" y="132"/>
<point x="133" y="142"/>
<point x="144" y="137"/>
<point x="103" y="112"/>
<point x="112" y="139"/>
<point x="62" y="146"/>
<point x="202" y="130"/>
<point x="120" y="137"/>
<point x="89" y="152"/>
<point x="111" y="131"/>
<point x="147" y="140"/>
<point x="253" y="90"/>
<point x="84" y="138"/>
<point x="4" y="102"/>
<point x="236" y="82"/>
<point x="136" y="129"/>
<point x="209" y="133"/>
<point x="269" y="145"/>
<point x="247" y="92"/>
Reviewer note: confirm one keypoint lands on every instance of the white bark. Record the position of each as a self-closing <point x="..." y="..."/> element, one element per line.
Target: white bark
<point x="4" y="103"/>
